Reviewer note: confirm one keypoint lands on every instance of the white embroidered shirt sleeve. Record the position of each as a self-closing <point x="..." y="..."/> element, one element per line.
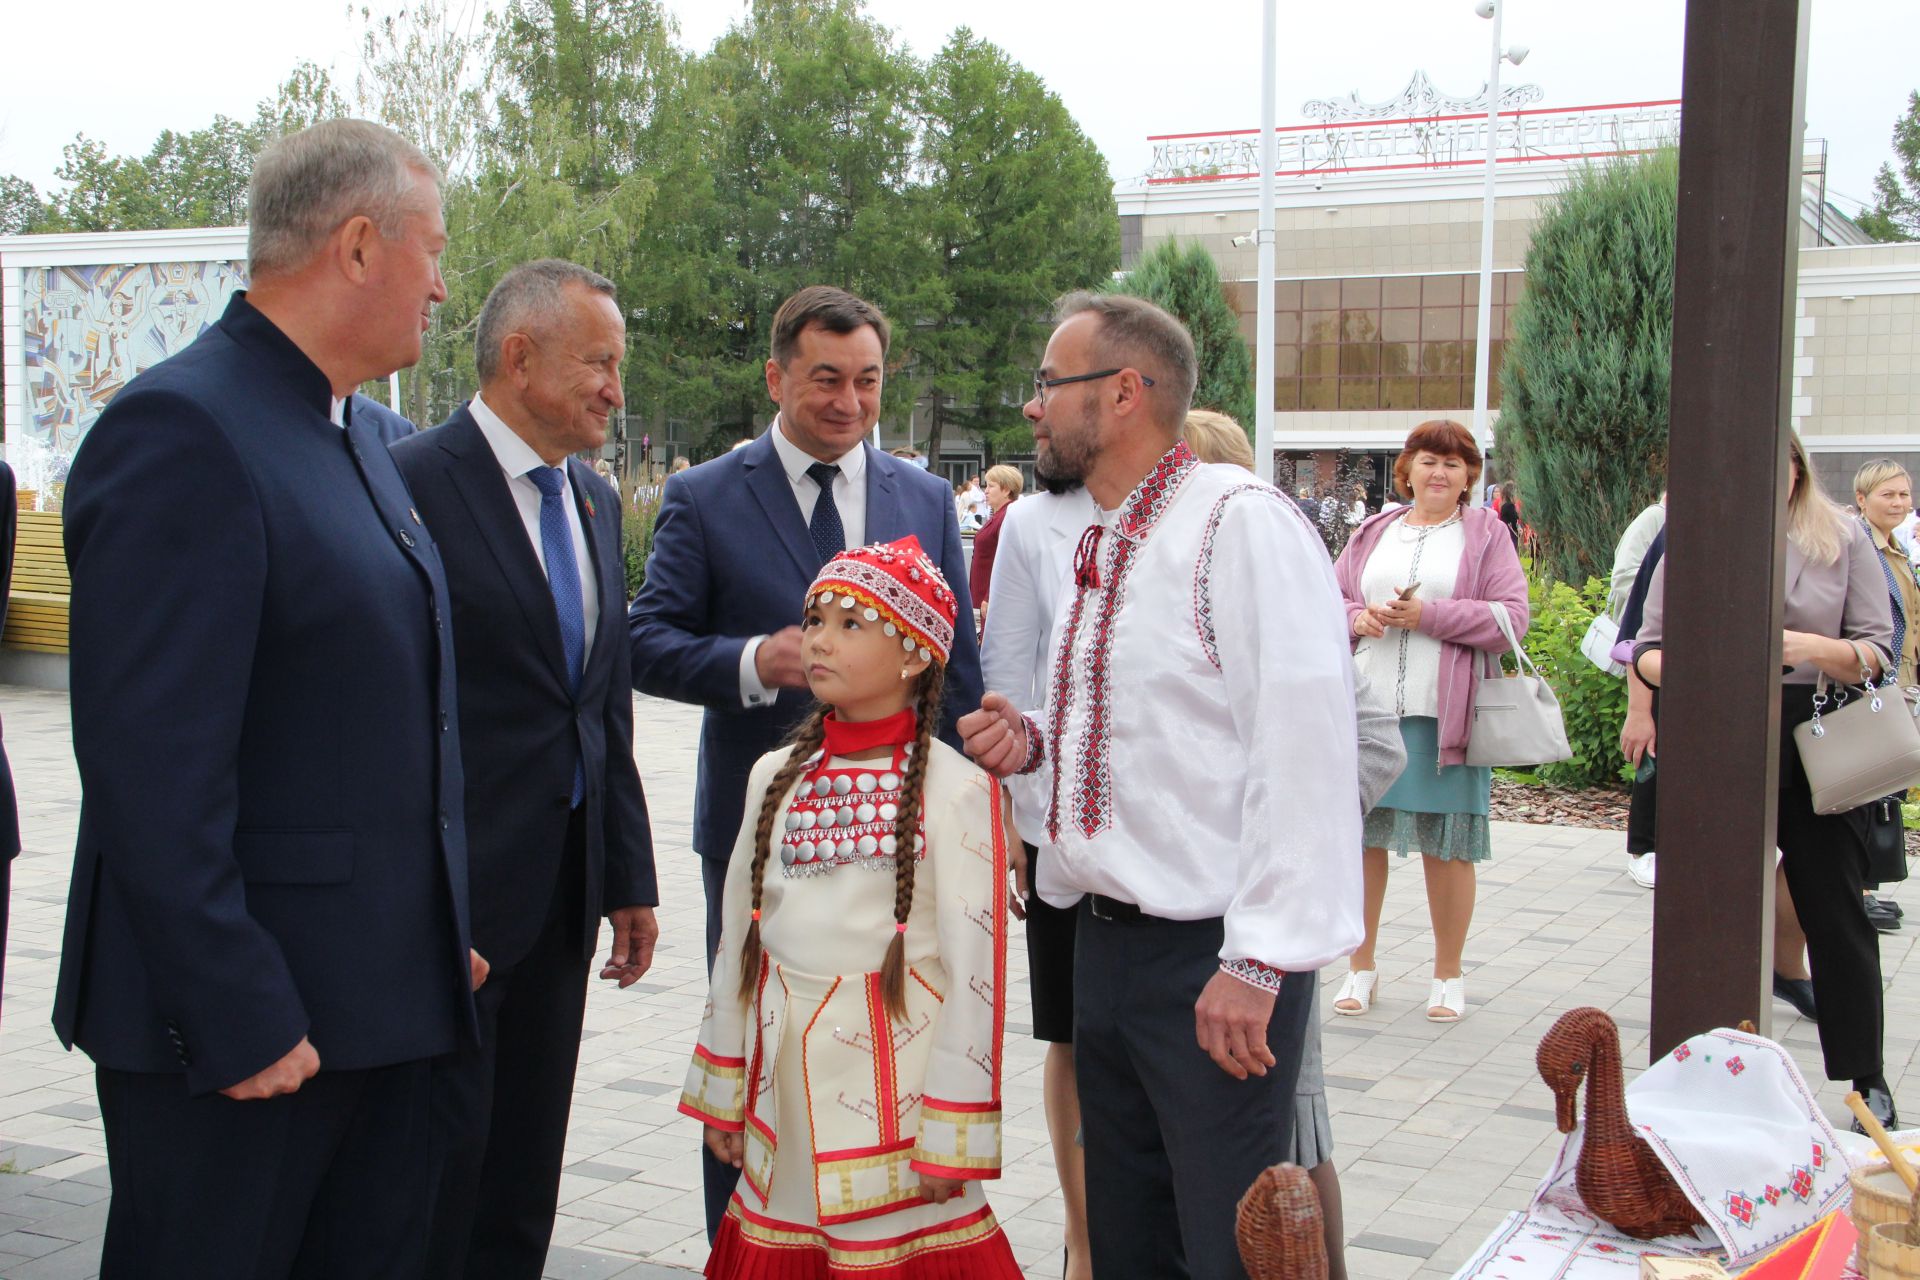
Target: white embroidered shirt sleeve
<point x="960" y="1109"/>
<point x="1284" y="658"/>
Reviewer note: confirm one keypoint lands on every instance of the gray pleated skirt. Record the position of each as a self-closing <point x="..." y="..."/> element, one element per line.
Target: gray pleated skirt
<point x="1312" y="1129"/>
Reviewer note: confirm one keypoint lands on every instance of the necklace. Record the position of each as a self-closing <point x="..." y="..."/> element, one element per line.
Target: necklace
<point x="1419" y="541"/>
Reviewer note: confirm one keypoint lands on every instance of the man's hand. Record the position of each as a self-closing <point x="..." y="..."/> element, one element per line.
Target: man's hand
<point x="940" y="1190"/>
<point x="634" y="933"/>
<point x="300" y="1065"/>
<point x="777" y="661"/>
<point x="477" y="969"/>
<point x="728" y="1148"/>
<point x="1230" y="1022"/>
<point x="995" y="736"/>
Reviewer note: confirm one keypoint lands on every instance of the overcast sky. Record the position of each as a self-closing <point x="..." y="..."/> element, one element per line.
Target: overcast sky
<point x="1125" y="70"/>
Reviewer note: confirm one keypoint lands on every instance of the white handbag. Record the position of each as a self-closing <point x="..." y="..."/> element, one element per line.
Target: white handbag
<point x="1516" y="718"/>
<point x="1597" y="645"/>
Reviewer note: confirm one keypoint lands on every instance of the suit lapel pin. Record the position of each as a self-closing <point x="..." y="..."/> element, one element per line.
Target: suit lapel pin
<point x="591" y="513"/>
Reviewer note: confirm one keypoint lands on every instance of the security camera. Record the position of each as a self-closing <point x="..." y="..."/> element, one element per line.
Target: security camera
<point x="1319" y="184"/>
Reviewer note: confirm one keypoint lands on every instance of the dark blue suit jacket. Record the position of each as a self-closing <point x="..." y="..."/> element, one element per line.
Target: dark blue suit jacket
<point x="271" y="833"/>
<point x="521" y="724"/>
<point x="385" y="423"/>
<point x="731" y="560"/>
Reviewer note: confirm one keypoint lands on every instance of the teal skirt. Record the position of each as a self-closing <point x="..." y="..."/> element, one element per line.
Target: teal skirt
<point x="1435" y="810"/>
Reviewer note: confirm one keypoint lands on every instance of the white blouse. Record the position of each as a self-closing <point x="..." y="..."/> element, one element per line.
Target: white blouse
<point x="1408" y="662"/>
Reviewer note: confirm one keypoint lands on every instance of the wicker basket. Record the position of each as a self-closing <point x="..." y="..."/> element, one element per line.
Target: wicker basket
<point x="1279" y="1227"/>
<point x="1878" y="1196"/>
<point x="1893" y="1248"/>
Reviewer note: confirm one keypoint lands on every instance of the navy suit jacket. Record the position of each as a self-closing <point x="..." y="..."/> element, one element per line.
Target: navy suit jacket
<point x="732" y="559"/>
<point x="386" y="424"/>
<point x="521" y="724"/>
<point x="271" y="834"/>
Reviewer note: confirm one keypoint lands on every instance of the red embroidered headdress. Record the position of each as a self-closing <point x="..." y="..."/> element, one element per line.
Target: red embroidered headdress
<point x="895" y="582"/>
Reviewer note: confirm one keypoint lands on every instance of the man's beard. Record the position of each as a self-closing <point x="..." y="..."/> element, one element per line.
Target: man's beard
<point x="1064" y="470"/>
<point x="1045" y="477"/>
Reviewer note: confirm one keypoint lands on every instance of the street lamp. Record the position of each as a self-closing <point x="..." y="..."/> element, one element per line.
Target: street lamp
<point x="1483" y="332"/>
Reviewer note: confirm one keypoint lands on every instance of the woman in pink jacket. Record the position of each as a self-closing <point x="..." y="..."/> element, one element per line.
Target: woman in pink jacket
<point x="1419" y="581"/>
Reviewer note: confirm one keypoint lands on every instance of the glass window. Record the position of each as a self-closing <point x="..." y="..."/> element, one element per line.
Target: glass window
<point x="1399" y="393"/>
<point x="1363" y="292"/>
<point x="1400" y="291"/>
<point x="1440" y="291"/>
<point x="1320" y="359"/>
<point x="1440" y="393"/>
<point x="1440" y="322"/>
<point x="1286" y="328"/>
<point x="1397" y="357"/>
<point x="1358" y="357"/>
<point x="1286" y="362"/>
<point x="1318" y="393"/>
<point x="1359" y="393"/>
<point x="1359" y="326"/>
<point x="1441" y="357"/>
<point x="1286" y="295"/>
<point x="1320" y="326"/>
<point x="1320" y="294"/>
<point x="1286" y="393"/>
<point x="1400" y="326"/>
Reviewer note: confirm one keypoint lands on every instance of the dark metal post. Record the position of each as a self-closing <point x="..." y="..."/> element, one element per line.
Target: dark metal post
<point x="1735" y="279"/>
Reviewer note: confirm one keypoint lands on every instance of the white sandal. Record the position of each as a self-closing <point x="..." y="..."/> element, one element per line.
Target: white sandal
<point x="1358" y="988"/>
<point x="1448" y="995"/>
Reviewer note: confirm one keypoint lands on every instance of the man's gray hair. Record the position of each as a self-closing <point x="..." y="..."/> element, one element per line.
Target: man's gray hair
<point x="531" y="296"/>
<point x="308" y="183"/>
<point x="1135" y="334"/>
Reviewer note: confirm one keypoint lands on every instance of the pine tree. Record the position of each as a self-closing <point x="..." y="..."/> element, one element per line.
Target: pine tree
<point x="1583" y="420"/>
<point x="1895" y="211"/>
<point x="1186" y="283"/>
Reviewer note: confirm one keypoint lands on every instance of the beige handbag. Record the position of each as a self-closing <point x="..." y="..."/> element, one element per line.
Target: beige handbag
<point x="1867" y="747"/>
<point x="1516" y="718"/>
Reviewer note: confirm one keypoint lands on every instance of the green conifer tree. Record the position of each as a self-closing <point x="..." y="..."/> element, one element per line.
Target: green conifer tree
<point x="1583" y="415"/>
<point x="1184" y="280"/>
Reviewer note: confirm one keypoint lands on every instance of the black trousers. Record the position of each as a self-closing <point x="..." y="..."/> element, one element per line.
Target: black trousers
<point x="1825" y="860"/>
<point x="717" y="1180"/>
<point x="1173" y="1141"/>
<point x="500" y="1110"/>
<point x="332" y="1181"/>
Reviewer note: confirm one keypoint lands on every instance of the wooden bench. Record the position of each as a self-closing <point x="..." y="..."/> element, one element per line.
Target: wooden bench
<point x="37" y="605"/>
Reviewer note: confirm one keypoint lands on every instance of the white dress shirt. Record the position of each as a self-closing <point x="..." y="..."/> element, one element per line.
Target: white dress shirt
<point x="517" y="461"/>
<point x="1031" y="568"/>
<point x="849" y="497"/>
<point x="1200" y="724"/>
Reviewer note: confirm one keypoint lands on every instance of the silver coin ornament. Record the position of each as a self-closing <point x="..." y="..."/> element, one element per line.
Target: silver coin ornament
<point x="842" y="785"/>
<point x="788" y="853"/>
<point x="793" y="822"/>
<point x="823" y="787"/>
<point x="889" y="782"/>
<point x="864" y="814"/>
<point x="808" y="818"/>
<point x="906" y="642"/>
<point x="866" y="782"/>
<point x="889" y="812"/>
<point x="805" y="853"/>
<point x="866" y="845"/>
<point x="888" y="844"/>
<point x="846" y="848"/>
<point x="871" y="615"/>
<point x="844" y="818"/>
<point x="846" y="602"/>
<point x="892" y="630"/>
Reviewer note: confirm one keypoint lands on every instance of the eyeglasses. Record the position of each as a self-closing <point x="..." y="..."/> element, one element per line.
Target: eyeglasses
<point x="1042" y="384"/>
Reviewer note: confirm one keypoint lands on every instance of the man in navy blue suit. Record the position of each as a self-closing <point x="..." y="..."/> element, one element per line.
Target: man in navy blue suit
<point x="267" y="935"/>
<point x="556" y="821"/>
<point x="738" y="541"/>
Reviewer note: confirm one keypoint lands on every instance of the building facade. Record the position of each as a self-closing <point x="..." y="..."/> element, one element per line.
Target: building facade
<point x="1378" y="213"/>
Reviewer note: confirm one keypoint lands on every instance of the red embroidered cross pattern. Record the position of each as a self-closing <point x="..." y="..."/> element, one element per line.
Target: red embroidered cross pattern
<point x="1093" y="782"/>
<point x="1740" y="1207"/>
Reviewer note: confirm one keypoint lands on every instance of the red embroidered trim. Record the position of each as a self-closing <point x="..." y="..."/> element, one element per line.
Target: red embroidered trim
<point x="1254" y="973"/>
<point x="701" y="1051"/>
<point x="728" y="1126"/>
<point x="958" y="1175"/>
<point x="971" y="1108"/>
<point x="884" y="1083"/>
<point x="1203" y="568"/>
<point x="1036" y="747"/>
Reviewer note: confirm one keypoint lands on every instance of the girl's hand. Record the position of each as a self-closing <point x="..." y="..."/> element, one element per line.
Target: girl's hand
<point x="1365" y="624"/>
<point x="728" y="1148"/>
<point x="1404" y="614"/>
<point x="940" y="1190"/>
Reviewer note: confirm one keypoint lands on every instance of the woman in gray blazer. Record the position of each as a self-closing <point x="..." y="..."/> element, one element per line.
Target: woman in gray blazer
<point x="1836" y="600"/>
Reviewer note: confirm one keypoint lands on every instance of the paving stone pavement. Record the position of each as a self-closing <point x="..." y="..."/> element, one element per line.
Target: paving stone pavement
<point x="1439" y="1131"/>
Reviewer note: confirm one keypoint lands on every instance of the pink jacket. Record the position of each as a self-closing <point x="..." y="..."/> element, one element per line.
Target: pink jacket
<point x="1489" y="570"/>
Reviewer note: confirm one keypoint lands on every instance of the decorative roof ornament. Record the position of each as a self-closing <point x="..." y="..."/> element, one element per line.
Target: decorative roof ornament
<point x="1418" y="99"/>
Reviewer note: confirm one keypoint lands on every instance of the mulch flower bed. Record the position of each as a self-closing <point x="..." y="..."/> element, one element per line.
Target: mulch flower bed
<point x="1600" y="808"/>
<point x="1596" y="807"/>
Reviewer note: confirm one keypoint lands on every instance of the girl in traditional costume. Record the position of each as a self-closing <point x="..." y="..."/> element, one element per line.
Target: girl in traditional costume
<point x="849" y="1060"/>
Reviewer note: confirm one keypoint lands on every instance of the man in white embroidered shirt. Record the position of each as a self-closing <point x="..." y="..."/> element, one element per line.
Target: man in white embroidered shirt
<point x="1195" y="760"/>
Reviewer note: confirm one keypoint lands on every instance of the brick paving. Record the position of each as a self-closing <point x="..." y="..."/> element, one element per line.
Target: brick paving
<point x="1439" y="1131"/>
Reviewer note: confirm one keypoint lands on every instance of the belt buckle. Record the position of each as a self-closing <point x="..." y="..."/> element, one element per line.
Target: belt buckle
<point x="1093" y="905"/>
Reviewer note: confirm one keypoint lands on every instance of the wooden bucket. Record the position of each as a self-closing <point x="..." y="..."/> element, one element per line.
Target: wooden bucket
<point x="1878" y="1196"/>
<point x="1891" y="1255"/>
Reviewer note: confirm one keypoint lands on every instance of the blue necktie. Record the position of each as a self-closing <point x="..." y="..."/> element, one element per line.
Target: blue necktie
<point x="563" y="580"/>
<point x="829" y="536"/>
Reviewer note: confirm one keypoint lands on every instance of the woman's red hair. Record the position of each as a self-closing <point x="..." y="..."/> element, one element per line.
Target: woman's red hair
<point x="1445" y="438"/>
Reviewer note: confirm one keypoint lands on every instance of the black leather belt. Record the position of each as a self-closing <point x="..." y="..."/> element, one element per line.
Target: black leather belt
<point x="1118" y="912"/>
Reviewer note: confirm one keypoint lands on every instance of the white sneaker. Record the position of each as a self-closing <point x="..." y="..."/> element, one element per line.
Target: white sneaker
<point x="1640" y="869"/>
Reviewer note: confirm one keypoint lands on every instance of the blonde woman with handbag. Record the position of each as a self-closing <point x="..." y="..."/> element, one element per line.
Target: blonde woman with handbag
<point x="1837" y="623"/>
